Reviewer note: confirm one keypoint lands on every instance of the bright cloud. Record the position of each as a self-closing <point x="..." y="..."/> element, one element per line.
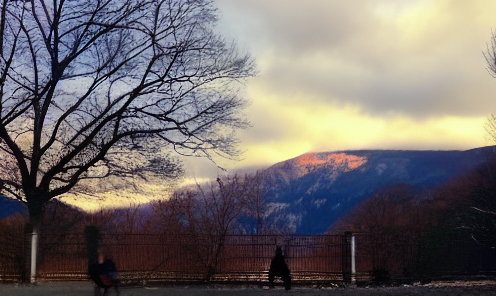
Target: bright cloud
<point x="339" y="75"/>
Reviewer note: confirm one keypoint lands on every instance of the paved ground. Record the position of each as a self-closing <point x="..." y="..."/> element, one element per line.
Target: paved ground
<point x="484" y="288"/>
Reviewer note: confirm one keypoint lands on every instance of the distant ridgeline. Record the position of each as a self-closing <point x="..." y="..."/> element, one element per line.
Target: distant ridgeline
<point x="10" y="206"/>
<point x="309" y="193"/>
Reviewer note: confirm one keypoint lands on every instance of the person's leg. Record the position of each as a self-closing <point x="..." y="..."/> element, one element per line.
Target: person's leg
<point x="271" y="280"/>
<point x="116" y="287"/>
<point x="287" y="282"/>
<point x="97" y="290"/>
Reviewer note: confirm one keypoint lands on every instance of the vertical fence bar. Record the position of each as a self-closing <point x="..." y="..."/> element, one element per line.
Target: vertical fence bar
<point x="244" y="258"/>
<point x="346" y="257"/>
<point x="353" y="264"/>
<point x="92" y="236"/>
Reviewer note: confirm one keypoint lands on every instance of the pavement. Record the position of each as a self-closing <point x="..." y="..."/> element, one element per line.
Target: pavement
<point x="86" y="289"/>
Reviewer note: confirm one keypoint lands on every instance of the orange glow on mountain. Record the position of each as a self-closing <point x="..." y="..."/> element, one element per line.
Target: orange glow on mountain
<point x="314" y="159"/>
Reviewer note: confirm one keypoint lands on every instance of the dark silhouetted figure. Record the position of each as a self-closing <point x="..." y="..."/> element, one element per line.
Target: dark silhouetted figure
<point x="279" y="268"/>
<point x="104" y="275"/>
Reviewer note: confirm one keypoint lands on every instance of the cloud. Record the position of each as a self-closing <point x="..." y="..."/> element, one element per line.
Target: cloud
<point x="298" y="129"/>
<point x="421" y="58"/>
<point x="339" y="75"/>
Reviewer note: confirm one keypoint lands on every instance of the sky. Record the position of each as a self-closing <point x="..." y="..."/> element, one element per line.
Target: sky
<point x="360" y="74"/>
<point x="352" y="74"/>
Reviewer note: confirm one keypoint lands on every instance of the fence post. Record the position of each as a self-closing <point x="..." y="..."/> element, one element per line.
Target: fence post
<point x="348" y="258"/>
<point x="27" y="254"/>
<point x="34" y="253"/>
<point x="353" y="262"/>
<point x="92" y="234"/>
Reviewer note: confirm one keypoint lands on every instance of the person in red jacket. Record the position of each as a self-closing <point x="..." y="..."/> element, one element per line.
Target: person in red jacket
<point x="104" y="275"/>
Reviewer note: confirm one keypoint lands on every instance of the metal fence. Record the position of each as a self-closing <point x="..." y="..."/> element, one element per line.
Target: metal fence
<point x="406" y="257"/>
<point x="165" y="257"/>
<point x="12" y="250"/>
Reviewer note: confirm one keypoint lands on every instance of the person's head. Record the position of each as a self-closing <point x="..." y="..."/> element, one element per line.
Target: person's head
<point x="101" y="257"/>
<point x="278" y="251"/>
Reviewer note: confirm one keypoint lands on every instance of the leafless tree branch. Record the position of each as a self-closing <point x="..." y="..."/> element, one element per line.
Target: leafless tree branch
<point x="94" y="89"/>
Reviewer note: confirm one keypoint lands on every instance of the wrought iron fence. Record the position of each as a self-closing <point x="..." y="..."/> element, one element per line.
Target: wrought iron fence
<point x="167" y="257"/>
<point x="162" y="257"/>
<point x="12" y="250"/>
<point x="436" y="257"/>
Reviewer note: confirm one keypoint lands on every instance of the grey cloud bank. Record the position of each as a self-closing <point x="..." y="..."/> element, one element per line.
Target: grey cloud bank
<point x="386" y="74"/>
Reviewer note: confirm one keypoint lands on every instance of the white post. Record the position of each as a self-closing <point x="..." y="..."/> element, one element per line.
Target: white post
<point x="34" y="249"/>
<point x="353" y="266"/>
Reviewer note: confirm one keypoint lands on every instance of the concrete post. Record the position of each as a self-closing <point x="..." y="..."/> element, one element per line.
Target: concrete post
<point x="34" y="249"/>
<point x="348" y="258"/>
<point x="353" y="262"/>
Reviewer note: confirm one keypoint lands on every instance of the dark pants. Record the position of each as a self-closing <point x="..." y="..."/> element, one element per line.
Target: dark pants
<point x="285" y="278"/>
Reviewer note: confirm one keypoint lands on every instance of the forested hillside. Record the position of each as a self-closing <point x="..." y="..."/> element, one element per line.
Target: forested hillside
<point x="311" y="192"/>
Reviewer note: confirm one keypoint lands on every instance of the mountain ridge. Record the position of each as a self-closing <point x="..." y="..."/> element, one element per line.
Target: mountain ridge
<point x="308" y="193"/>
<point x="313" y="190"/>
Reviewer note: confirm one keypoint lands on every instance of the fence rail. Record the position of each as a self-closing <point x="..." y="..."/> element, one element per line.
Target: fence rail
<point x="161" y="257"/>
<point x="12" y="250"/>
<point x="439" y="258"/>
<point x="168" y="257"/>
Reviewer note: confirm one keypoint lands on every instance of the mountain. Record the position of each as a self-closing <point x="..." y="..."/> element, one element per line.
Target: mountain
<point x="310" y="192"/>
<point x="9" y="207"/>
<point x="307" y="194"/>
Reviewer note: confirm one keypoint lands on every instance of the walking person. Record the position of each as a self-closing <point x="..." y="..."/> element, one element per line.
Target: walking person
<point x="104" y="275"/>
<point x="279" y="268"/>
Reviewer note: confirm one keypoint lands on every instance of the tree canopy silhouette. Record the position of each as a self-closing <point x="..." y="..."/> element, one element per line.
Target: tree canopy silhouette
<point x="91" y="89"/>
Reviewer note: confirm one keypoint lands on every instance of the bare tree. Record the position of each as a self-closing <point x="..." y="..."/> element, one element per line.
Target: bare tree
<point x="490" y="126"/>
<point x="482" y="221"/>
<point x="490" y="56"/>
<point x="257" y="207"/>
<point x="390" y="223"/>
<point x="477" y="210"/>
<point x="212" y="213"/>
<point x="91" y="89"/>
<point x="207" y="214"/>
